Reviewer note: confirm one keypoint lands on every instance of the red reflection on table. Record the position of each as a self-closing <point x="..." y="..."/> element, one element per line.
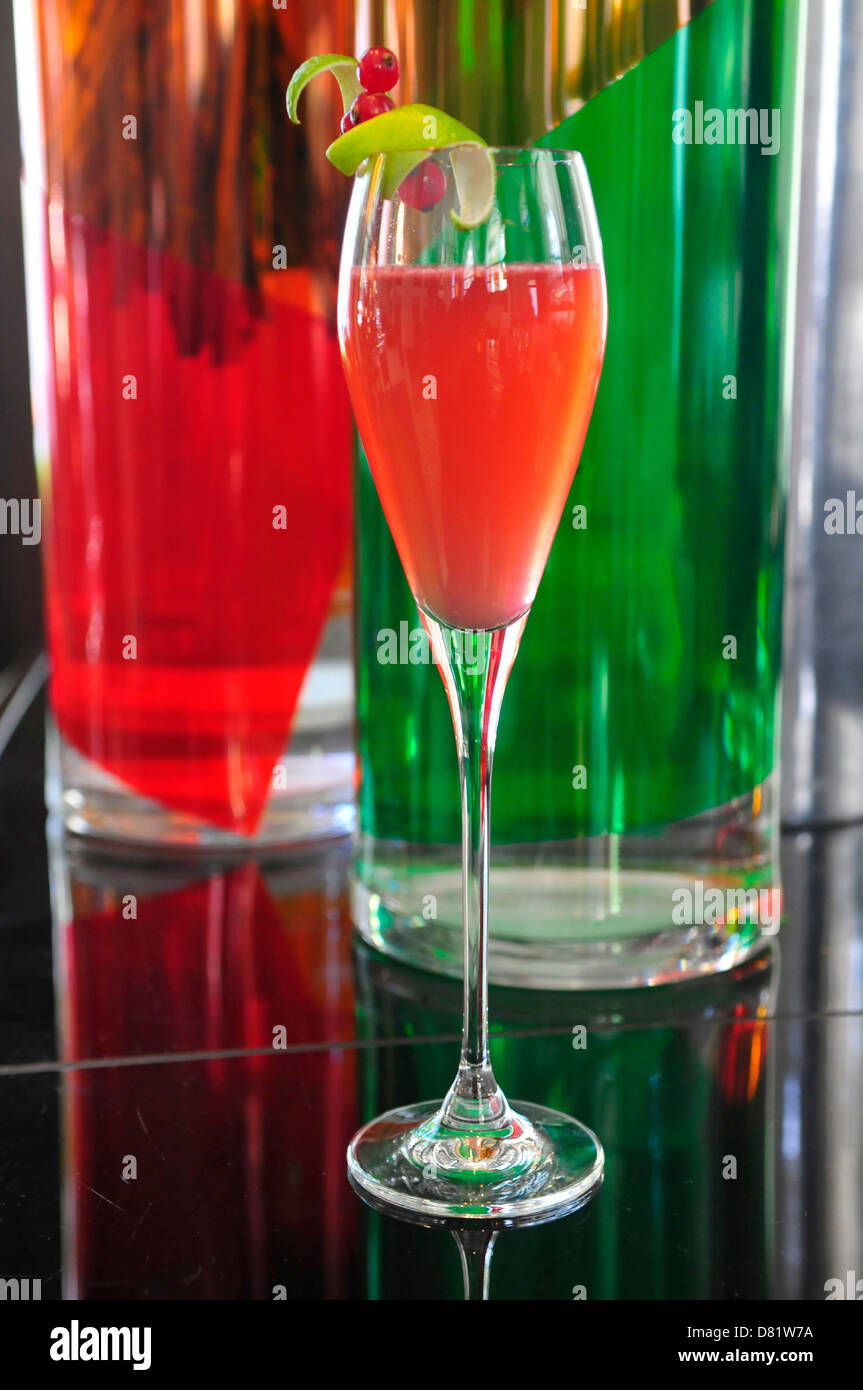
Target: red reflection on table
<point x="217" y="1178"/>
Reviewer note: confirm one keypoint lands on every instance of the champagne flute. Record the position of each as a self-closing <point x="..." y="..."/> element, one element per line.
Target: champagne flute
<point x="473" y="358"/>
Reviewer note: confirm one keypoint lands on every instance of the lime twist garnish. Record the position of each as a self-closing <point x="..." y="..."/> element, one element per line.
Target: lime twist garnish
<point x="344" y="70"/>
<point x="371" y="125"/>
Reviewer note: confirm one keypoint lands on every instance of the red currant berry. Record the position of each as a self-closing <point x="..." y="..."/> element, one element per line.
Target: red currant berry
<point x="424" y="186"/>
<point x="369" y="104"/>
<point x="347" y="122"/>
<point x="378" y="70"/>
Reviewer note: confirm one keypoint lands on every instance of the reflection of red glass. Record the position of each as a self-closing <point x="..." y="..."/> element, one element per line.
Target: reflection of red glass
<point x="742" y="1055"/>
<point x="217" y="964"/>
<point x="240" y="1182"/>
<point x="164" y="518"/>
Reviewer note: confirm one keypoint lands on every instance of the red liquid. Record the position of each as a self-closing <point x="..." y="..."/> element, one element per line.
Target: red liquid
<point x="162" y="510"/>
<point x="472" y="390"/>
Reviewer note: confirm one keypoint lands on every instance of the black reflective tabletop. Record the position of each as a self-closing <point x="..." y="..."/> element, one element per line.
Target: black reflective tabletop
<point x="185" y="1052"/>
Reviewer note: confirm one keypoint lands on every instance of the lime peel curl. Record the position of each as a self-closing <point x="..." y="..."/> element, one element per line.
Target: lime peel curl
<point x="344" y="70"/>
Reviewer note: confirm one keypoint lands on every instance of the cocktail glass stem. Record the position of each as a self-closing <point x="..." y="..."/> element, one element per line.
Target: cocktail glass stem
<point x="475" y="666"/>
<point x="475" y="1249"/>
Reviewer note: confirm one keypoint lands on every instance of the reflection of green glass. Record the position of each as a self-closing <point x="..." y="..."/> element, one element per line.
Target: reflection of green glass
<point x="663" y="1090"/>
<point x="625" y="664"/>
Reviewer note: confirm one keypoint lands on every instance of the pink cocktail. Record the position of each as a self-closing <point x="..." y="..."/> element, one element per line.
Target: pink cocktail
<point x="473" y="387"/>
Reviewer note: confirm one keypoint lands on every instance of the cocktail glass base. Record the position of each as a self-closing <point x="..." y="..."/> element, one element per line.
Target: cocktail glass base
<point x="539" y="1166"/>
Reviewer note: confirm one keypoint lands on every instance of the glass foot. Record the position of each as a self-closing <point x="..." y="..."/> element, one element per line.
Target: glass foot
<point x="537" y="1167"/>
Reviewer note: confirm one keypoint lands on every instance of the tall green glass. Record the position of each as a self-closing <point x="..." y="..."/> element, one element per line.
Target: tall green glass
<point x="636" y="765"/>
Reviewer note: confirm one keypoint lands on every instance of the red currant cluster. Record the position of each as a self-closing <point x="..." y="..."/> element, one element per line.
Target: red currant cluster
<point x="378" y="72"/>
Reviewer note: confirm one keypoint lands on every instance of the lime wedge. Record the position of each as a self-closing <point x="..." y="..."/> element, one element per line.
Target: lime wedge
<point x="404" y="133"/>
<point x="475" y="176"/>
<point x="344" y="70"/>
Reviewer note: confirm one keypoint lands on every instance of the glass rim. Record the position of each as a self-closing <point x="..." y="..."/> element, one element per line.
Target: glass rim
<point x="516" y="151"/>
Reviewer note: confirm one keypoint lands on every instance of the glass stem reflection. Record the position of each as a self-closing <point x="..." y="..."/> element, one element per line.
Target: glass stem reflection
<point x="475" y="1248"/>
<point x="475" y="666"/>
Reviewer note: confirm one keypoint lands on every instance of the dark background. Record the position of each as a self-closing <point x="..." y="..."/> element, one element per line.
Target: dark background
<point x="20" y="577"/>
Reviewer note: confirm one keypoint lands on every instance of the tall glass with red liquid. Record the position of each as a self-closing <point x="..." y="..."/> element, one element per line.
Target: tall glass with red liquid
<point x="193" y="432"/>
<point x="473" y="348"/>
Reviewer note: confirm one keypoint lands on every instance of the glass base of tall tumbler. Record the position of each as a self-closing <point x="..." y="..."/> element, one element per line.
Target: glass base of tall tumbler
<point x="538" y="1166"/>
<point x="609" y="912"/>
<point x="309" y="802"/>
